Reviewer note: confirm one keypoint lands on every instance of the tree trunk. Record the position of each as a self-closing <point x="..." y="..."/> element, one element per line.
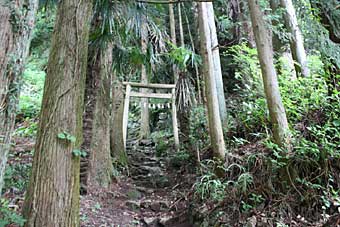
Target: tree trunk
<point x="279" y="47"/>
<point x="210" y="19"/>
<point x="15" y="37"/>
<point x="145" y="115"/>
<point x="215" y="126"/>
<point x="52" y="199"/>
<point x="117" y="112"/>
<point x="277" y="43"/>
<point x="197" y="72"/>
<point x="97" y="113"/>
<point x="172" y="23"/>
<point x="276" y="109"/>
<point x="180" y="25"/>
<point x="296" y="41"/>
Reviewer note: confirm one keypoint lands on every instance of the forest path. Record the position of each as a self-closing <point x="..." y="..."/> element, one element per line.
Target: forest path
<point x="153" y="195"/>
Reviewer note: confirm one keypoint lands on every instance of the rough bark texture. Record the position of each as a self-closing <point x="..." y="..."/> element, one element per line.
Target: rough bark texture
<point x="145" y="115"/>
<point x="296" y="41"/>
<point x="217" y="62"/>
<point x="215" y="125"/>
<point x="96" y="121"/>
<point x="100" y="158"/>
<point x="265" y="52"/>
<point x="16" y="26"/>
<point x="52" y="199"/>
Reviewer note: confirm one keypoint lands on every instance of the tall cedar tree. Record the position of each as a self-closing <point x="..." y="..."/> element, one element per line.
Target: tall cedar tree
<point x="215" y="124"/>
<point x="271" y="86"/>
<point x="52" y="199"/>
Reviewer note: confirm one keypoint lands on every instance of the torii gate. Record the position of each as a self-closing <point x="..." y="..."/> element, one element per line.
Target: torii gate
<point x="171" y="96"/>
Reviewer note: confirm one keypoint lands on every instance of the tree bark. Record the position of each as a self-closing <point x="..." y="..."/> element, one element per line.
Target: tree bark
<point x="215" y="126"/>
<point x="117" y="112"/>
<point x="265" y="53"/>
<point x="145" y="115"/>
<point x="15" y="37"/>
<point x="296" y="41"/>
<point x="210" y="19"/>
<point x="180" y="25"/>
<point x="172" y="23"/>
<point x="97" y="100"/>
<point x="52" y="199"/>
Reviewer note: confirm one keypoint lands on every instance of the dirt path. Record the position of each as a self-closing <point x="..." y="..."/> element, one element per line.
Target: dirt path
<point x="153" y="196"/>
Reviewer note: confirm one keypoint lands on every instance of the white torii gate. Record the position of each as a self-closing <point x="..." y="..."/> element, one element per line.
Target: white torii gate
<point x="171" y="96"/>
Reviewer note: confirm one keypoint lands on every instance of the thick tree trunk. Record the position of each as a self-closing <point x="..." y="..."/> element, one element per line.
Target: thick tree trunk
<point x="97" y="100"/>
<point x="215" y="125"/>
<point x="101" y="168"/>
<point x="52" y="199"/>
<point x="276" y="109"/>
<point x="296" y="41"/>
<point x="210" y="19"/>
<point x="15" y="38"/>
<point x="145" y="115"/>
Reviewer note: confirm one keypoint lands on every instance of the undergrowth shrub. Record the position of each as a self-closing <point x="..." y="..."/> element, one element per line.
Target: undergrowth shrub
<point x="8" y="216"/>
<point x="32" y="90"/>
<point x="259" y="171"/>
<point x="249" y="116"/>
<point x="198" y="127"/>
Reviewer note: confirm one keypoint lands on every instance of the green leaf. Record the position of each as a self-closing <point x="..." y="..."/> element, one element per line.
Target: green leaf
<point x="3" y="223"/>
<point x="62" y="136"/>
<point x="76" y="152"/>
<point x="336" y="123"/>
<point x="83" y="154"/>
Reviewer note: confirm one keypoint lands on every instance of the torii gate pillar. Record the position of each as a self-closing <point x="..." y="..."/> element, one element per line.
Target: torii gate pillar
<point x="171" y="96"/>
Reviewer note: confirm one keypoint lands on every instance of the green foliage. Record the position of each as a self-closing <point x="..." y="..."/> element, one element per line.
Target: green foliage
<point x="16" y="176"/>
<point x="249" y="118"/>
<point x="8" y="216"/>
<point x="162" y="145"/>
<point x="248" y="112"/>
<point x="42" y="32"/>
<point x="182" y="56"/>
<point x="181" y="158"/>
<point x="32" y="90"/>
<point x="210" y="188"/>
<point x="198" y="127"/>
<point x="67" y="136"/>
<point x="244" y="181"/>
<point x="79" y="153"/>
<point x="28" y="128"/>
<point x="302" y="95"/>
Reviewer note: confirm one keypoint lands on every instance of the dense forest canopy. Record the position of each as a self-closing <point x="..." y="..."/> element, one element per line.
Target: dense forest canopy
<point x="170" y="113"/>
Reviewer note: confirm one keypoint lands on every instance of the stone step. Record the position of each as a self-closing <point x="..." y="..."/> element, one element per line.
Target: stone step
<point x="145" y="163"/>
